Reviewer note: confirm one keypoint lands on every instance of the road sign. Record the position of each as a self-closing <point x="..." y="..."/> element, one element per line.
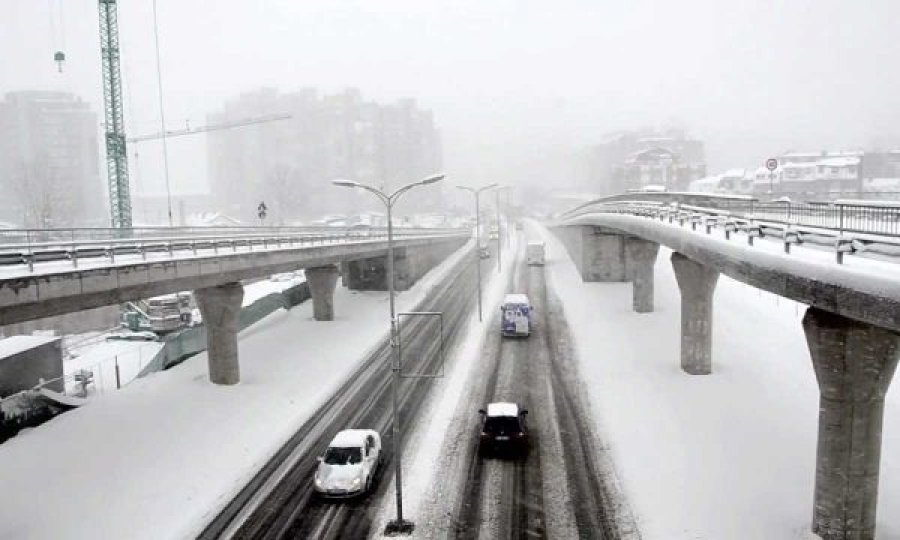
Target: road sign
<point x="771" y="164"/>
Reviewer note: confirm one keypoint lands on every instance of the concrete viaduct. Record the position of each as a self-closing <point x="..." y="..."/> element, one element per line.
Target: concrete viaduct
<point x="851" y="328"/>
<point x="216" y="282"/>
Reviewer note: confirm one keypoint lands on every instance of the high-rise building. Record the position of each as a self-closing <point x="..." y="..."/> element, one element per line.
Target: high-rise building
<point x="49" y="161"/>
<point x="288" y="164"/>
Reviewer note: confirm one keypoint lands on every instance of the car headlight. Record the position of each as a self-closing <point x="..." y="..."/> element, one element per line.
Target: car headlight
<point x="318" y="481"/>
<point x="357" y="481"/>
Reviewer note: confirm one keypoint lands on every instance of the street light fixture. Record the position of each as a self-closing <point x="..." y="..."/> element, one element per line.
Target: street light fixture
<point x="477" y="192"/>
<point x="399" y="525"/>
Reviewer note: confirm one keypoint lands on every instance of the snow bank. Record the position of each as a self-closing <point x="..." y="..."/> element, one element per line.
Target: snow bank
<point x="729" y="455"/>
<point x="161" y="457"/>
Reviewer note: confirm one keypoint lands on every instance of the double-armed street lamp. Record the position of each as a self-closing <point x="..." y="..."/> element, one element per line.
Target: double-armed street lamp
<point x="477" y="192"/>
<point x="399" y="525"/>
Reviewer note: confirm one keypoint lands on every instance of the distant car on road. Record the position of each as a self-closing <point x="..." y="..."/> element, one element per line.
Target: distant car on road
<point x="348" y="466"/>
<point x="503" y="430"/>
<point x="535" y="253"/>
<point x="484" y="251"/>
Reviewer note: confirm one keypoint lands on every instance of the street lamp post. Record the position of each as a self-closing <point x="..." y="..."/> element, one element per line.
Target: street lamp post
<point x="499" y="249"/>
<point x="477" y="192"/>
<point x="506" y="236"/>
<point x="399" y="525"/>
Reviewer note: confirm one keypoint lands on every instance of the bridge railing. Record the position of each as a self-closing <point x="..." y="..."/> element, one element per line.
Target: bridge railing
<point x="842" y="216"/>
<point x="57" y="245"/>
<point x="85" y="234"/>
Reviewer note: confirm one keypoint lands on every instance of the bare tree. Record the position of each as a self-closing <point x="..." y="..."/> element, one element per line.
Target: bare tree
<point x="282" y="188"/>
<point x="41" y="192"/>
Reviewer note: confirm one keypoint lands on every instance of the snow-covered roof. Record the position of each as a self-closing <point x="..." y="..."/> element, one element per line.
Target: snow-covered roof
<point x="350" y="437"/>
<point x="811" y="165"/>
<point x="887" y="184"/>
<point x="735" y="173"/>
<point x="516" y="298"/>
<point x="867" y="202"/>
<point x="707" y="181"/>
<point x="16" y="344"/>
<point x="839" y="162"/>
<point x="839" y="153"/>
<point x="502" y="409"/>
<point x="211" y="219"/>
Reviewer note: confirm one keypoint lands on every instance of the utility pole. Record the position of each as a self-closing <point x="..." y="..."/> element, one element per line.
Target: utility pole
<point x="116" y="156"/>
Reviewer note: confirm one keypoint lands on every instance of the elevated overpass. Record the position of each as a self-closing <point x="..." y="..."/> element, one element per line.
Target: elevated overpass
<point x="852" y="325"/>
<point x="62" y="274"/>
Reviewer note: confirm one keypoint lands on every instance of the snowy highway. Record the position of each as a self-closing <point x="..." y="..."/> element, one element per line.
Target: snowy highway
<point x="557" y="490"/>
<point x="279" y="501"/>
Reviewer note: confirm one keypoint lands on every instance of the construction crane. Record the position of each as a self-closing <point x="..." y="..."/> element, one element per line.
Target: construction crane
<point x="116" y="156"/>
<point x="188" y="130"/>
<point x="211" y="127"/>
<point x="116" y="153"/>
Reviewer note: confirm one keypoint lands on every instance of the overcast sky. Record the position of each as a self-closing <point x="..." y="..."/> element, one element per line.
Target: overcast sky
<point x="516" y="86"/>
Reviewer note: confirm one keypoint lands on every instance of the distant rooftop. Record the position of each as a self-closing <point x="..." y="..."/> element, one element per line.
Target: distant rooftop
<point x="16" y="344"/>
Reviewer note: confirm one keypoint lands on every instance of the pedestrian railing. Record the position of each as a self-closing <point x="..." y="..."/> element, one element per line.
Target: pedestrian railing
<point x="28" y="247"/>
<point x="847" y="226"/>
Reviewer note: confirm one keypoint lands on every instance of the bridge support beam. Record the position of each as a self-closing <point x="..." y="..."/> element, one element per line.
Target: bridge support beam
<point x="321" y="281"/>
<point x="640" y="258"/>
<point x="854" y="363"/>
<point x="221" y="309"/>
<point x="697" y="284"/>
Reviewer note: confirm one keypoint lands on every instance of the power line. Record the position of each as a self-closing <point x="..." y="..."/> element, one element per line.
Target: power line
<point x="162" y="116"/>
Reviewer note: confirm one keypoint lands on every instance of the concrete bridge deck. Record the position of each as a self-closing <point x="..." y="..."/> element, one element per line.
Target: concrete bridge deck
<point x="30" y="295"/>
<point x="852" y="329"/>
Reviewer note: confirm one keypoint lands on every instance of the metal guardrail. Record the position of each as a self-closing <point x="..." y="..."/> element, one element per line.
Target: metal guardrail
<point x="843" y="216"/>
<point x="63" y="248"/>
<point x="82" y="234"/>
<point x="838" y="225"/>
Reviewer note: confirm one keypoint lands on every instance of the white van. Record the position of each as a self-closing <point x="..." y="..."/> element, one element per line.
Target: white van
<point x="515" y="315"/>
<point x="535" y="253"/>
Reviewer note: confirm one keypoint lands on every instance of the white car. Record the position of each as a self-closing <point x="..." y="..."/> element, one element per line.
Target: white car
<point x="348" y="466"/>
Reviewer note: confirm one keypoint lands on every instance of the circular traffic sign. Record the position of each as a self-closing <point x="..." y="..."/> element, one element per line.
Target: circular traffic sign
<point x="771" y="164"/>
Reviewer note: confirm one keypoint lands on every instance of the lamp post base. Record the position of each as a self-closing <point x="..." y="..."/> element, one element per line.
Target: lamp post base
<point x="399" y="528"/>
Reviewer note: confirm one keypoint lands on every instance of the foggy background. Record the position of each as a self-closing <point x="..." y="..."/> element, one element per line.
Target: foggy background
<point x="518" y="90"/>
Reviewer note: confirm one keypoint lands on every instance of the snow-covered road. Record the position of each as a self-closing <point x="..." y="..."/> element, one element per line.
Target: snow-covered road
<point x="725" y="456"/>
<point x="160" y="458"/>
<point x="564" y="487"/>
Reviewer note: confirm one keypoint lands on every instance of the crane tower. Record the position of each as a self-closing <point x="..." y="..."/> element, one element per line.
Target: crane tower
<point x="116" y="155"/>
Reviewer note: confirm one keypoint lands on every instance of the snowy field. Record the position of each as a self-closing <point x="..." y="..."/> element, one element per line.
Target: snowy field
<point x="725" y="456"/>
<point x="161" y="457"/>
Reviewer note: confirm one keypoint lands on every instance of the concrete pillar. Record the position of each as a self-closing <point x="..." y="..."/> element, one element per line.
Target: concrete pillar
<point x="640" y="257"/>
<point x="321" y="281"/>
<point x="221" y="310"/>
<point x="603" y="255"/>
<point x="697" y="284"/>
<point x="854" y="363"/>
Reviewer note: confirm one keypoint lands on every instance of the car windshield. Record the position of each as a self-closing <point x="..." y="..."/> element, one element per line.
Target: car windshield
<point x="343" y="456"/>
<point x="501" y="424"/>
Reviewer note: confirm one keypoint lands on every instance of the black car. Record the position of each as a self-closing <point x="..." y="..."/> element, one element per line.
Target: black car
<point x="503" y="430"/>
